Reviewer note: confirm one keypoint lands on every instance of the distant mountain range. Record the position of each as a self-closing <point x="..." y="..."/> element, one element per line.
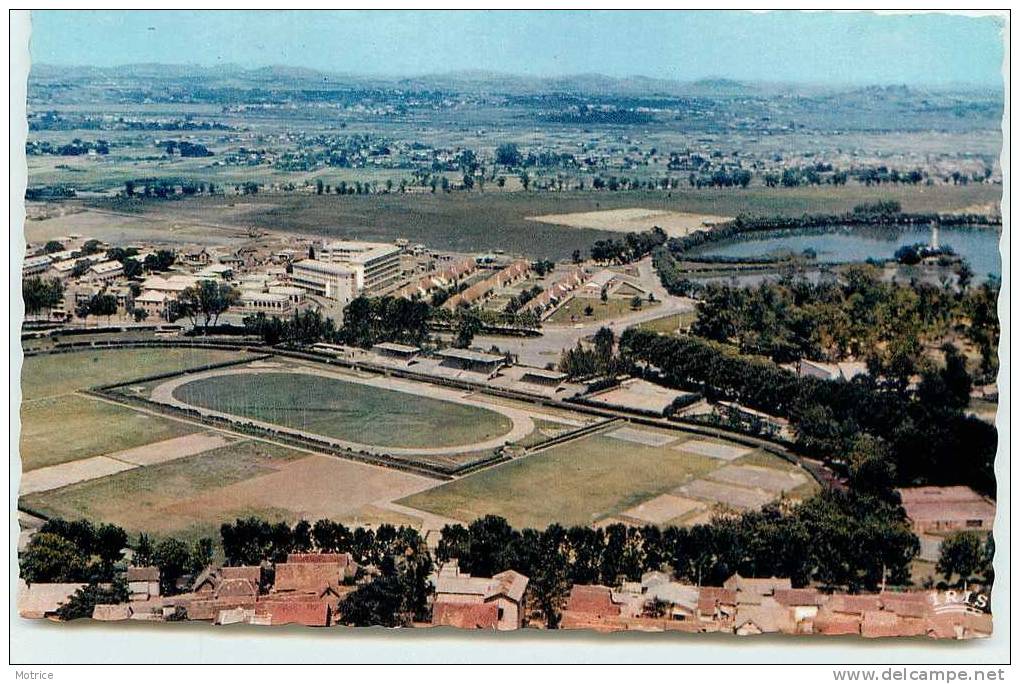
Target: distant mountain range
<point x="471" y="81"/>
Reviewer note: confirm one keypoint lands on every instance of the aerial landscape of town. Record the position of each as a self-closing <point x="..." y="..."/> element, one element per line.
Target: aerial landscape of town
<point x="460" y="348"/>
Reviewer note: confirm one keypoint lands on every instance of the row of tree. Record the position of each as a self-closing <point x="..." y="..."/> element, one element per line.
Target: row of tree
<point x="634" y="246"/>
<point x="927" y="441"/>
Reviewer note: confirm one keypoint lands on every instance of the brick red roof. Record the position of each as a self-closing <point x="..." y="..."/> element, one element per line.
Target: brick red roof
<point x="836" y="624"/>
<point x="344" y="559"/>
<point x="850" y="603"/>
<point x="798" y="597"/>
<point x="252" y="573"/>
<point x="307" y="577"/>
<point x="465" y="615"/>
<point x="237" y="587"/>
<point x="882" y="624"/>
<point x="592" y="600"/>
<point x="288" y="612"/>
<point x="142" y="573"/>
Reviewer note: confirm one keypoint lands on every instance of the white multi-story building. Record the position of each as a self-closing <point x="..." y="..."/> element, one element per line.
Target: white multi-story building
<point x="376" y="265"/>
<point x="333" y="281"/>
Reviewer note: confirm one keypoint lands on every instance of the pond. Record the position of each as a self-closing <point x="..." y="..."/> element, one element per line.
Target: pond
<point x="979" y="245"/>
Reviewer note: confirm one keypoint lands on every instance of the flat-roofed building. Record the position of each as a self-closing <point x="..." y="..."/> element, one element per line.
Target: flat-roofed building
<point x="542" y="376"/>
<point x="403" y="352"/>
<point x="35" y="265"/>
<point x="294" y="294"/>
<point x="376" y="265"/>
<point x="946" y="509"/>
<point x="332" y="281"/>
<point x="154" y="304"/>
<point x="105" y="271"/>
<point x="266" y="302"/>
<point x="467" y="359"/>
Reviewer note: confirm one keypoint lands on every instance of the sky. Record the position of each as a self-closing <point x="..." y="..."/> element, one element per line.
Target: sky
<point x="793" y="47"/>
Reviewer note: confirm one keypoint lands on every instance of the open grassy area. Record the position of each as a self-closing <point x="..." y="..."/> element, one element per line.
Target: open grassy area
<point x="345" y="410"/>
<point x="484" y="221"/>
<point x="670" y="324"/>
<point x="614" y="307"/>
<point x="574" y="484"/>
<point x="70" y="427"/>
<point x="50" y="375"/>
<point x="146" y="499"/>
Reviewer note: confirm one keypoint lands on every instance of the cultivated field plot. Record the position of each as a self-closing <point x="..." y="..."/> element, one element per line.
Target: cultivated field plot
<point x="157" y="498"/>
<point x="52" y="374"/>
<point x="635" y="220"/>
<point x="737" y="497"/>
<point x="59" y="426"/>
<point x="639" y="395"/>
<point x="583" y="482"/>
<point x="350" y="411"/>
<point x="192" y="496"/>
<point x="718" y="450"/>
<point x="769" y="479"/>
<point x="70" y="427"/>
<point x="645" y="437"/>
<point x="663" y="509"/>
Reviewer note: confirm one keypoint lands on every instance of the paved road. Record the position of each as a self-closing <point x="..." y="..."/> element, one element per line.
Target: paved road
<point x="538" y="351"/>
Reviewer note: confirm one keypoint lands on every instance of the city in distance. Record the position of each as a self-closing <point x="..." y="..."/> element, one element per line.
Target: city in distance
<point x="492" y="350"/>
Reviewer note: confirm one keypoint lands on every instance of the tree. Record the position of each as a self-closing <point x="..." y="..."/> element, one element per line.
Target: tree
<point x="103" y="305"/>
<point x="52" y="247"/>
<point x="160" y="260"/>
<point x="84" y="601"/>
<point x="636" y="302"/>
<point x="50" y="557"/>
<point x="508" y="154"/>
<point x="41" y="294"/>
<point x="376" y="604"/>
<point x="962" y="554"/>
<point x="143" y="551"/>
<point x="174" y="560"/>
<point x="207" y="300"/>
<point x="469" y="324"/>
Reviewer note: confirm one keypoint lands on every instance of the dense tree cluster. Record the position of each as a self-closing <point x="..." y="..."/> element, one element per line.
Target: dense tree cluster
<point x="370" y="320"/>
<point x="583" y="362"/>
<point x="176" y="559"/>
<point x="929" y="441"/>
<point x="73" y="551"/>
<point x="633" y="247"/>
<point x="858" y="317"/>
<point x="303" y="328"/>
<point x="83" y="602"/>
<point x="205" y="301"/>
<point x="41" y="294"/>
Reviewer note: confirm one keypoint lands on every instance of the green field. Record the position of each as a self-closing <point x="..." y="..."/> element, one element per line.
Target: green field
<point x="614" y="307"/>
<point x="484" y="221"/>
<point x="669" y="324"/>
<point x="50" y="375"/>
<point x="70" y="427"/>
<point x="573" y="484"/>
<point x="144" y="499"/>
<point x="345" y="410"/>
<point x="58" y="426"/>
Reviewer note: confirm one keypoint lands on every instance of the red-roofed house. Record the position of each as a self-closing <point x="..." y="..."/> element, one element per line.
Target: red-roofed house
<point x="466" y="615"/>
<point x="505" y="591"/>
